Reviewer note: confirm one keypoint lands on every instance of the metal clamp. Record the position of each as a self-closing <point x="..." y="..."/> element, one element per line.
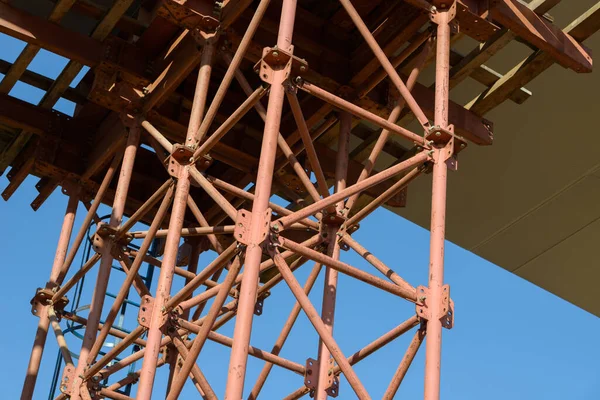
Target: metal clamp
<point x="242" y="229"/>
<point x="146" y="311"/>
<point x="275" y="59"/>
<point x="311" y="377"/>
<point x="446" y="309"/>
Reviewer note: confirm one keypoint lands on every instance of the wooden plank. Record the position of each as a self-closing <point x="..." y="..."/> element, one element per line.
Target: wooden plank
<point x="543" y="6"/>
<point x="533" y="28"/>
<point x="30" y="51"/>
<point x="528" y="69"/>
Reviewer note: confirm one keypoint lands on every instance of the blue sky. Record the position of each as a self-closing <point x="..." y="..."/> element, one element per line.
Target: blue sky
<point x="511" y="340"/>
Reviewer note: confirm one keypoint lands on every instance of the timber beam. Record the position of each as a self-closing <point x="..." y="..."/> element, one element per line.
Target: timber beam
<point x="113" y="55"/>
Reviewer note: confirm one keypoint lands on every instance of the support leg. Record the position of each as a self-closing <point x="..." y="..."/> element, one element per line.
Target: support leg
<point x="247" y="299"/>
<point x="331" y="275"/>
<point x="104" y="270"/>
<point x="433" y="348"/>
<point x="42" y="329"/>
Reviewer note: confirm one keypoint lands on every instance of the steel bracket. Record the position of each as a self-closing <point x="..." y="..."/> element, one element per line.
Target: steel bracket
<point x="242" y="230"/>
<point x="442" y="6"/>
<point x="146" y="311"/>
<point x="311" y="377"/>
<point x="190" y="15"/>
<point x="275" y="59"/>
<point x="66" y="382"/>
<point x="446" y="310"/>
<point x="260" y="301"/>
<point x="43" y="298"/>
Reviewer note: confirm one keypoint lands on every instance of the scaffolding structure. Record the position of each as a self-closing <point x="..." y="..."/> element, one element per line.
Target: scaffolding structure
<point x="199" y="185"/>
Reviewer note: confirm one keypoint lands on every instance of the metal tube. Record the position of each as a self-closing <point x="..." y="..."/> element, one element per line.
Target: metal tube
<point x="88" y="217"/>
<point x="433" y="347"/>
<point x="393" y="117"/>
<point x="155" y="133"/>
<point x="193" y="207"/>
<point x="235" y="63"/>
<point x="385" y="63"/>
<point x="106" y="261"/>
<point x="320" y="327"/>
<point x="189" y="288"/>
<point x="384" y="197"/>
<point x="165" y="279"/>
<point x="60" y="339"/>
<point x="360" y="112"/>
<point x="408" y="358"/>
<point x="208" y="392"/>
<point x="374" y="261"/>
<point x="247" y="299"/>
<point x="228" y="187"/>
<point x="42" y="329"/>
<point x="132" y="273"/>
<point x="76" y="277"/>
<point x="205" y="328"/>
<point x="349" y="270"/>
<point x="307" y="211"/>
<point x="333" y="250"/>
<point x="212" y="140"/>
<point x="163" y="289"/>
<point x="185" y="232"/>
<point x="285" y="331"/>
<point x="143" y="210"/>
<point x="311" y="153"/>
<point x="213" y="193"/>
<point x="381" y="342"/>
<point x="200" y="94"/>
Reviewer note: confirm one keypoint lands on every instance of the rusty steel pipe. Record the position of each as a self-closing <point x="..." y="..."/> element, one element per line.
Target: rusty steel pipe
<point x="407" y="360"/>
<point x="433" y="346"/>
<point x="307" y="141"/>
<point x="285" y="332"/>
<point x="64" y="269"/>
<point x="238" y="57"/>
<point x="113" y="332"/>
<point x="393" y="118"/>
<point x="106" y="261"/>
<point x="320" y="327"/>
<point x="132" y="273"/>
<point x="221" y="201"/>
<point x="37" y="350"/>
<point x="143" y="210"/>
<point x="384" y="197"/>
<point x="193" y="231"/>
<point x="60" y="339"/>
<point x="114" y="352"/>
<point x="195" y="372"/>
<point x="375" y="79"/>
<point x="381" y="342"/>
<point x="247" y="297"/>
<point x="349" y="270"/>
<point x="205" y="328"/>
<point x="228" y="187"/>
<point x="252" y="100"/>
<point x="200" y="94"/>
<point x="193" y="207"/>
<point x="333" y="250"/>
<point x="360" y="112"/>
<point x="385" y="62"/>
<point x="199" y="279"/>
<point x="163" y="289"/>
<point x="373" y="180"/>
<point x="159" y="137"/>
<point x="377" y="263"/>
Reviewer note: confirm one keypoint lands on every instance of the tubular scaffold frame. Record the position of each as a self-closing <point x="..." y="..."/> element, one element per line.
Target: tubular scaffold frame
<point x="259" y="235"/>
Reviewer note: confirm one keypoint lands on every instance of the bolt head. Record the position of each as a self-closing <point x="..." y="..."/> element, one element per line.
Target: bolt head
<point x="275" y="54"/>
<point x="438" y="134"/>
<point x="302" y="68"/>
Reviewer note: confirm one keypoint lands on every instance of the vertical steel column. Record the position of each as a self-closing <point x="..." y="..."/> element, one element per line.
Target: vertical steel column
<point x="104" y="270"/>
<point x="438" y="213"/>
<point x="247" y="298"/>
<point x="165" y="279"/>
<point x="44" y="322"/>
<point x="333" y="250"/>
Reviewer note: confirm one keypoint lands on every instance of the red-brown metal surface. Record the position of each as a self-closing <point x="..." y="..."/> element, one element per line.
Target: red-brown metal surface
<point x="215" y="166"/>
